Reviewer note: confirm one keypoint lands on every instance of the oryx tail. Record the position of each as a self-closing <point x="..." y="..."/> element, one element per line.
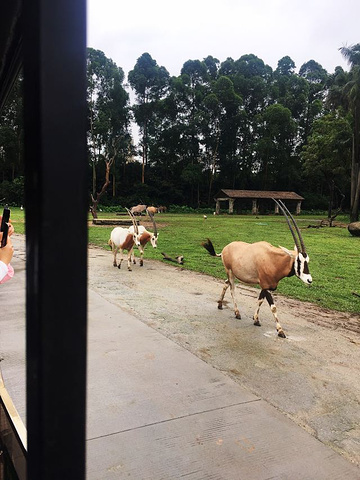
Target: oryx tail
<point x="210" y="248"/>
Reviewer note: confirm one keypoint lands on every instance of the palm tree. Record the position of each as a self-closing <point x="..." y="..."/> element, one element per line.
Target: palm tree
<point x="351" y="95"/>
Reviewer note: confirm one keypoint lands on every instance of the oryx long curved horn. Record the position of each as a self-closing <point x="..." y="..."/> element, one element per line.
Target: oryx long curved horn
<point x="133" y="221"/>
<point x="303" y="249"/>
<point x="153" y="222"/>
<point x="285" y="211"/>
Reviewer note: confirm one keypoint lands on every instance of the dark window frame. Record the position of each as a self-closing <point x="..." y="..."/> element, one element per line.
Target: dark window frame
<point x="48" y="38"/>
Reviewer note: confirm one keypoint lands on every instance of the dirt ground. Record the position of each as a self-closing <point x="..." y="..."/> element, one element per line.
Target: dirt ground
<point x="313" y="375"/>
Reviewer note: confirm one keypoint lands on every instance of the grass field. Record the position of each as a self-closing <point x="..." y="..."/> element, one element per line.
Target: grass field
<point x="334" y="253"/>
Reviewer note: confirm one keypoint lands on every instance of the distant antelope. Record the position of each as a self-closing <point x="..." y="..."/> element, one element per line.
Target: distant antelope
<point x="261" y="263"/>
<point x="152" y="210"/>
<point x="138" y="209"/>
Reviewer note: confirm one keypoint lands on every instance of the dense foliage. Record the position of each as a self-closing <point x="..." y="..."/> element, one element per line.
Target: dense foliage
<point x="233" y="124"/>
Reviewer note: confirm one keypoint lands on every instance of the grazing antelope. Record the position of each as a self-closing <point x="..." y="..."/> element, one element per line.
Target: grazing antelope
<point x="121" y="239"/>
<point x="144" y="237"/>
<point x="138" y="209"/>
<point x="261" y="263"/>
<point x="152" y="210"/>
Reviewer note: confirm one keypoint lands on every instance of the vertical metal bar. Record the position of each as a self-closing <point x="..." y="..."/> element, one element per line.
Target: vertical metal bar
<point x="56" y="236"/>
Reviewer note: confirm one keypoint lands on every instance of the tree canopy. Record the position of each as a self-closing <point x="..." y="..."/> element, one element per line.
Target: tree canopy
<point x="233" y="124"/>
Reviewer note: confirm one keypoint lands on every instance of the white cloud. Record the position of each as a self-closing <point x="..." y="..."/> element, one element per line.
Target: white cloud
<point x="175" y="32"/>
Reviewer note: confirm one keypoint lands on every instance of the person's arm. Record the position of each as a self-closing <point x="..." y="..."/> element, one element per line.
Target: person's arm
<point x="6" y="253"/>
<point x="3" y="270"/>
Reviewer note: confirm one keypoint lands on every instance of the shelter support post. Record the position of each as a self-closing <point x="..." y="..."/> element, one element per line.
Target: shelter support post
<point x="298" y="208"/>
<point x="231" y="205"/>
<point x="255" y="209"/>
<point x="217" y="208"/>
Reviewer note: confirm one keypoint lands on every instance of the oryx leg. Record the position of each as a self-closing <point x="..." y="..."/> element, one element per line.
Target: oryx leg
<point x="121" y="258"/>
<point x="260" y="302"/>
<point x="232" y="290"/>
<point x="129" y="259"/>
<point x="141" y="250"/>
<point x="220" y="301"/>
<point x="230" y="282"/>
<point x="269" y="298"/>
<point x="115" y="251"/>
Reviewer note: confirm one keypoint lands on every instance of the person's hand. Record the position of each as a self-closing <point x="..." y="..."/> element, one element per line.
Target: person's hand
<point x="6" y="253"/>
<point x="11" y="228"/>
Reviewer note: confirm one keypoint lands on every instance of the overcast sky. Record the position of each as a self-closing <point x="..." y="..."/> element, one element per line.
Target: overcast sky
<point x="173" y="32"/>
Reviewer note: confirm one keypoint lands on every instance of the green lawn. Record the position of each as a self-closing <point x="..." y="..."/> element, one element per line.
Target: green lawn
<point x="334" y="253"/>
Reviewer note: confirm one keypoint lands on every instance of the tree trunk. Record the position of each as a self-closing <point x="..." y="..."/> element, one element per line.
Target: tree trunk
<point x="95" y="199"/>
<point x="331" y="200"/>
<point x="143" y="166"/>
<point x="354" y="211"/>
<point x="93" y="178"/>
<point x="355" y="171"/>
<point x="213" y="166"/>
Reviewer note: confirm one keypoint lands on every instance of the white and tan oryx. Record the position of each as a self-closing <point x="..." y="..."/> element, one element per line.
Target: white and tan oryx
<point x="121" y="239"/>
<point x="144" y="237"/>
<point x="261" y="263"/>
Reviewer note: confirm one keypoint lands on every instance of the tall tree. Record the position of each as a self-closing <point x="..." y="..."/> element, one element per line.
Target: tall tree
<point x="351" y="98"/>
<point x="109" y="118"/>
<point x="195" y="86"/>
<point x="327" y="154"/>
<point x="317" y="78"/>
<point x="12" y="133"/>
<point x="274" y="149"/>
<point x="222" y="117"/>
<point x="150" y="83"/>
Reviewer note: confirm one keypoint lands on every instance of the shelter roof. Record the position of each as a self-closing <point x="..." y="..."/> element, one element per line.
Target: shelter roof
<point x="225" y="193"/>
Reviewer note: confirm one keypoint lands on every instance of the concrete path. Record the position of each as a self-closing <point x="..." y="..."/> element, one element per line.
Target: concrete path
<point x="155" y="411"/>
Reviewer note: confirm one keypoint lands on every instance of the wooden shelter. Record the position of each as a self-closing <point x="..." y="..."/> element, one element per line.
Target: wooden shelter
<point x="230" y="196"/>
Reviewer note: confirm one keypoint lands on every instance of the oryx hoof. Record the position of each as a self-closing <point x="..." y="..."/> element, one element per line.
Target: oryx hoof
<point x="220" y="305"/>
<point x="114" y="264"/>
<point x="257" y="322"/>
<point x="281" y="334"/>
<point x="119" y="266"/>
<point x="141" y="263"/>
<point x="237" y="314"/>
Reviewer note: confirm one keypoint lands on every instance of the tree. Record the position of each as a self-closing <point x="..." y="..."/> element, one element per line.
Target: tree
<point x="150" y="83"/>
<point x="316" y="78"/>
<point x="274" y="149"/>
<point x="220" y="125"/>
<point x="327" y="154"/>
<point x="12" y="134"/>
<point x="108" y="133"/>
<point x="351" y="100"/>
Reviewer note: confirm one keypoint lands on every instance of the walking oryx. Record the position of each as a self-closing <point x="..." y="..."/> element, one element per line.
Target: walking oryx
<point x="261" y="263"/>
<point x="145" y="236"/>
<point x="121" y="239"/>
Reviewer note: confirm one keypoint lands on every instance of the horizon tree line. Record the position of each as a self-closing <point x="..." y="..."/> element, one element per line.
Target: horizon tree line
<point x="235" y="124"/>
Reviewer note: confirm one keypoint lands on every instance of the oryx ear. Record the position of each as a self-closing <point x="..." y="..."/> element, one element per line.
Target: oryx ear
<point x="289" y="252"/>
